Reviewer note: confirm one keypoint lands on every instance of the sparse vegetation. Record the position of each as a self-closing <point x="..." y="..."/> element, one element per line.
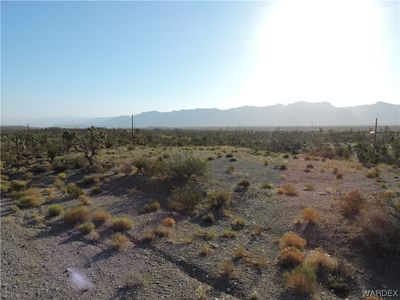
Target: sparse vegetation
<point x="301" y="279"/>
<point x="55" y="210"/>
<point x="77" y="214"/>
<point x="87" y="227"/>
<point x="101" y="215"/>
<point x="351" y="203"/>
<point x="288" y="189"/>
<point x="185" y="198"/>
<point x="291" y="239"/>
<point x="310" y="215"/>
<point x="290" y="256"/>
<point x="121" y="223"/>
<point x="119" y="240"/>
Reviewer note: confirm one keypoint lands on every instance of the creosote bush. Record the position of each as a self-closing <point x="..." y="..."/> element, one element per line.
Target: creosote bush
<point x="121" y="223"/>
<point x="77" y="214"/>
<point x="291" y="239"/>
<point x="351" y="203"/>
<point x="185" y="198"/>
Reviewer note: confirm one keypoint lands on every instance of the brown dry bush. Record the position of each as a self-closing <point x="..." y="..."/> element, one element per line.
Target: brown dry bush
<point x="227" y="268"/>
<point x="288" y="190"/>
<point x="121" y="223"/>
<point x="319" y="260"/>
<point x="301" y="279"/>
<point x="87" y="227"/>
<point x="101" y="215"/>
<point x="290" y="256"/>
<point x="77" y="214"/>
<point x="351" y="203"/>
<point x="153" y="206"/>
<point x="240" y="252"/>
<point x="310" y="215"/>
<point x="30" y="198"/>
<point x="119" y="240"/>
<point x="291" y="239"/>
<point x="85" y="200"/>
<point x="169" y="222"/>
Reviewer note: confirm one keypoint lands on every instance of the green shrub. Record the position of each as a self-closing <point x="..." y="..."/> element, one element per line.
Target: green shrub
<point x="87" y="227"/>
<point x="55" y="210"/>
<point x="220" y="200"/>
<point x="181" y="168"/>
<point x="301" y="279"/>
<point x="185" y="198"/>
<point x="74" y="190"/>
<point x="19" y="185"/>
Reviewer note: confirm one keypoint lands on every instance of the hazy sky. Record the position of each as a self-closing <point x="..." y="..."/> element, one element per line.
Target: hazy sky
<point x="115" y="58"/>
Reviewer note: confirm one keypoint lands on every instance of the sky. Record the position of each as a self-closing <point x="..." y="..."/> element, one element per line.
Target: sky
<point x="99" y="59"/>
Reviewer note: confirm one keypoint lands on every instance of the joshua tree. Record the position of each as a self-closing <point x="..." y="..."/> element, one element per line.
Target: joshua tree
<point x="19" y="146"/>
<point x="90" y="142"/>
<point x="69" y="140"/>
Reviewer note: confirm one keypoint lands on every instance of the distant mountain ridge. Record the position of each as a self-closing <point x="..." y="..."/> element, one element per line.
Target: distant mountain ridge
<point x="296" y="114"/>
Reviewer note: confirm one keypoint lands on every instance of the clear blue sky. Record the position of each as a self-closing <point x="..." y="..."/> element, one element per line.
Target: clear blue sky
<point x="114" y="58"/>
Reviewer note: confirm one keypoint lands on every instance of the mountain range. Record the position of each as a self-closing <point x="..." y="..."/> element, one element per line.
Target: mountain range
<point x="296" y="114"/>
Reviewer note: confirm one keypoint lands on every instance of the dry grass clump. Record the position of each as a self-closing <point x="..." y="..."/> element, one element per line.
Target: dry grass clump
<point x="77" y="214"/>
<point x="121" y="223"/>
<point x="310" y="215"/>
<point x="372" y="173"/>
<point x="291" y="239"/>
<point x="119" y="240"/>
<point x="19" y="185"/>
<point x="351" y="203"/>
<point x="205" y="250"/>
<point x="209" y="218"/>
<point x="319" y="260"/>
<point x="87" y="227"/>
<point x="227" y="233"/>
<point x="101" y="215"/>
<point x="85" y="200"/>
<point x="288" y="190"/>
<point x="169" y="222"/>
<point x="30" y="198"/>
<point x="163" y="231"/>
<point x="55" y="210"/>
<point x="220" y="199"/>
<point x="73" y="190"/>
<point x="238" y="223"/>
<point x="267" y="186"/>
<point x="309" y="187"/>
<point x="244" y="184"/>
<point x="290" y="256"/>
<point x="153" y="206"/>
<point x="257" y="260"/>
<point x="301" y="279"/>
<point x="93" y="236"/>
<point x="240" y="252"/>
<point x="227" y="268"/>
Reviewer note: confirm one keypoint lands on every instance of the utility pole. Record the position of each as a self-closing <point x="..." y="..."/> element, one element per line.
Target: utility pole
<point x="132" y="130"/>
<point x="376" y="128"/>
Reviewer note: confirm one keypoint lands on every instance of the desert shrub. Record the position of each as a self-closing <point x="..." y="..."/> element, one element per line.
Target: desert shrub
<point x="185" y="198"/>
<point x="85" y="200"/>
<point x="240" y="252"/>
<point x="257" y="229"/>
<point x="73" y="190"/>
<point x="127" y="169"/>
<point x="163" y="231"/>
<point x="19" y="185"/>
<point x="180" y="168"/>
<point x="220" y="200"/>
<point x="209" y="218"/>
<point x="291" y="239"/>
<point x="372" y="173"/>
<point x="379" y="231"/>
<point x="148" y="236"/>
<point x="238" y="223"/>
<point x="4" y="186"/>
<point x="282" y="167"/>
<point x="243" y="184"/>
<point x="290" y="256"/>
<point x="309" y="187"/>
<point x="301" y="279"/>
<point x="55" y="210"/>
<point x="121" y="223"/>
<point x="153" y="206"/>
<point x="30" y="198"/>
<point x="101" y="215"/>
<point x="90" y="179"/>
<point x="267" y="186"/>
<point x="205" y="250"/>
<point x="310" y="215"/>
<point x="319" y="260"/>
<point x="227" y="268"/>
<point x="231" y="169"/>
<point x="257" y="260"/>
<point x="169" y="222"/>
<point x="62" y="176"/>
<point x="351" y="203"/>
<point x="37" y="218"/>
<point x="339" y="176"/>
<point x="119" y="240"/>
<point x="77" y="214"/>
<point x="227" y="233"/>
<point x="93" y="236"/>
<point x="210" y="235"/>
<point x="288" y="189"/>
<point x="87" y="227"/>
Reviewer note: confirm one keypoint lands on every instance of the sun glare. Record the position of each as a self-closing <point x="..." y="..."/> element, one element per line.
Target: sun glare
<point x="315" y="50"/>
